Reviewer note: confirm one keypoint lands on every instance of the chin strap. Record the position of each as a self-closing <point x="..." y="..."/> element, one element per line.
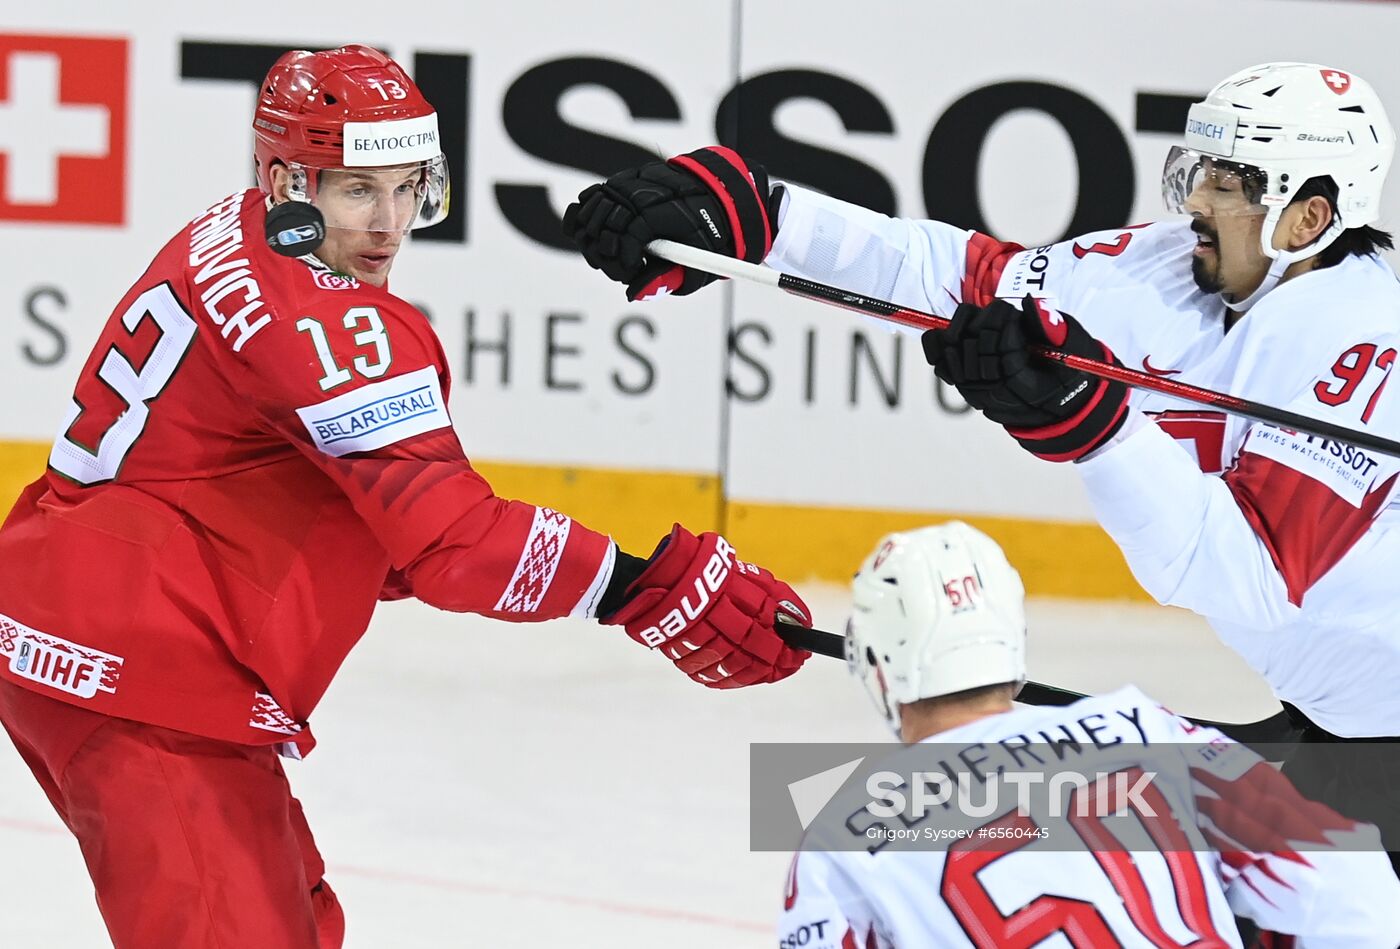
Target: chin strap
<point x="1283" y="259"/>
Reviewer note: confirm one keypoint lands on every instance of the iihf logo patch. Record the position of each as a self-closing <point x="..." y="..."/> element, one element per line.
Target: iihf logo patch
<point x="58" y="663"/>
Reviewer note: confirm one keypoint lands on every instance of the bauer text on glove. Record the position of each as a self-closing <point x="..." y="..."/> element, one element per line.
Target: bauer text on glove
<point x="711" y="613"/>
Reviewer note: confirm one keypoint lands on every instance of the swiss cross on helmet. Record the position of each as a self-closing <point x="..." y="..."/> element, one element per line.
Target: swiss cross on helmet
<point x="357" y="137"/>
<point x="1336" y="80"/>
<point x="1277" y="125"/>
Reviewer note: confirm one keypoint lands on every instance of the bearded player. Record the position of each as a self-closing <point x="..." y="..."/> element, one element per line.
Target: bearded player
<point x="257" y="450"/>
<point x="1274" y="291"/>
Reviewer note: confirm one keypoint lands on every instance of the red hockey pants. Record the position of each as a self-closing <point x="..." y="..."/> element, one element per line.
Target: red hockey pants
<point x="190" y="842"/>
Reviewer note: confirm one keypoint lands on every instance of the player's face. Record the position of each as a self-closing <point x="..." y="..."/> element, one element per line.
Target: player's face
<point x="367" y="211"/>
<point x="1227" y="222"/>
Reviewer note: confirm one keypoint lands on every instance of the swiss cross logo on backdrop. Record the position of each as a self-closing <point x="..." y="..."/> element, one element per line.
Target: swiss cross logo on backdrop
<point x="63" y="129"/>
<point x="1338" y="82"/>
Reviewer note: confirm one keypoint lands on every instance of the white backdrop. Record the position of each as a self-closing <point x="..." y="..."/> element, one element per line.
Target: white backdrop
<point x="579" y="377"/>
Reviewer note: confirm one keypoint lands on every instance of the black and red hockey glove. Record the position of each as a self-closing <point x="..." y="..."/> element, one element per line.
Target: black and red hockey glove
<point x="1057" y="413"/>
<point x="709" y="612"/>
<point x="710" y="198"/>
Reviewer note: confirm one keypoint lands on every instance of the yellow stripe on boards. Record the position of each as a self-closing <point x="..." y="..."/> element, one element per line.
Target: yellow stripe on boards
<point x="20" y="463"/>
<point x="799" y="543"/>
<point x="1055" y="558"/>
<point x="636" y="507"/>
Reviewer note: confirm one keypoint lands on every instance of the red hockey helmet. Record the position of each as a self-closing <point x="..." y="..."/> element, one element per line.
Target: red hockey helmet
<point x="348" y="109"/>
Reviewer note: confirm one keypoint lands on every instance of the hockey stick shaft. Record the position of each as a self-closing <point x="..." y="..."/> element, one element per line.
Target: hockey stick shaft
<point x="723" y="266"/>
<point x="1274" y="729"/>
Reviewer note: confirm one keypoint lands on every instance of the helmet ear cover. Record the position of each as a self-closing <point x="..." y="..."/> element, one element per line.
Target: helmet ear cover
<point x="294" y="229"/>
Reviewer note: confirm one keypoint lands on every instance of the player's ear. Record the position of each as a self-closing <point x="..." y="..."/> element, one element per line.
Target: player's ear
<point x="1309" y="219"/>
<point x="281" y="180"/>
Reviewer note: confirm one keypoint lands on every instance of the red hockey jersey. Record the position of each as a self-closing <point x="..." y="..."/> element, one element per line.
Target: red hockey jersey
<point x="256" y="450"/>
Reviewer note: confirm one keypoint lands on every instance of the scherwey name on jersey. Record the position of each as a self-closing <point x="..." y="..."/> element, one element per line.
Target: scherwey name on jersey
<point x="979" y="762"/>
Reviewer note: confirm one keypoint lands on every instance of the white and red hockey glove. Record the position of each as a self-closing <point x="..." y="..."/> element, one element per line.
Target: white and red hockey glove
<point x="710" y="613"/>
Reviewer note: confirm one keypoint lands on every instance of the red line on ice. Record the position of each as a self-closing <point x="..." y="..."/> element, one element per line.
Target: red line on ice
<point x="462" y="886"/>
<point x="608" y="906"/>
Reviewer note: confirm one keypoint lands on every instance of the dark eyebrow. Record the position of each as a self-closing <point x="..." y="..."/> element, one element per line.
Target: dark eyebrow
<point x="359" y="178"/>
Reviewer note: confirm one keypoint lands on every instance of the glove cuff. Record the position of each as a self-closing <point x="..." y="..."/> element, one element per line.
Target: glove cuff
<point x="775" y="207"/>
<point x="626" y="571"/>
<point x="663" y="601"/>
<point x="742" y="191"/>
<point x="1080" y="434"/>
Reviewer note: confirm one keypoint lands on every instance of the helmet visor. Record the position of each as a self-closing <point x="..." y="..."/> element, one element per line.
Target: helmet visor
<point x="1195" y="182"/>
<point x="390" y="198"/>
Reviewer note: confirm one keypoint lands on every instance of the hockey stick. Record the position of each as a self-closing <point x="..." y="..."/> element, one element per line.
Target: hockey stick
<point x="723" y="266"/>
<point x="1276" y="730"/>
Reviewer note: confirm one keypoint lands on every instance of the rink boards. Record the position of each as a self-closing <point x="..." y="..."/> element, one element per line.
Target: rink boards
<point x="801" y="432"/>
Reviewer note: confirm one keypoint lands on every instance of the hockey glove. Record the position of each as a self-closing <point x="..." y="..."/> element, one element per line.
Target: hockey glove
<point x="1054" y="412"/>
<point x="710" y="198"/>
<point x="711" y="614"/>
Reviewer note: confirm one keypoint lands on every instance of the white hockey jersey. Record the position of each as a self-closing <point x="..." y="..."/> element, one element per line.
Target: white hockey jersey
<point x="1286" y="543"/>
<point x="1024" y="894"/>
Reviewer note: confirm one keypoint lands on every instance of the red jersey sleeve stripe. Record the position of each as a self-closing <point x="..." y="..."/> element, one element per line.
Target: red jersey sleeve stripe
<point x="987" y="257"/>
<point x="1305" y="526"/>
<point x="539" y="562"/>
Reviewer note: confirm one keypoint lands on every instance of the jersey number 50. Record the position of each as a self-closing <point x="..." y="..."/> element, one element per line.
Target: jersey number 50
<point x="1082" y="923"/>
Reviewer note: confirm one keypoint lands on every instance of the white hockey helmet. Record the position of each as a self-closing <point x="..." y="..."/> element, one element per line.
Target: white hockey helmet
<point x="935" y="611"/>
<point x="1282" y="124"/>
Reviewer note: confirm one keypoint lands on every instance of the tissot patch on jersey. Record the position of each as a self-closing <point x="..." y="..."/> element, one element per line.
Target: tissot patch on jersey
<point x="378" y="414"/>
<point x="57" y="663"/>
<point x="1346" y="470"/>
<point x="1025" y="273"/>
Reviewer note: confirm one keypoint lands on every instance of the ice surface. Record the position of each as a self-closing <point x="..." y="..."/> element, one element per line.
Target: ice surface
<point x="485" y="784"/>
